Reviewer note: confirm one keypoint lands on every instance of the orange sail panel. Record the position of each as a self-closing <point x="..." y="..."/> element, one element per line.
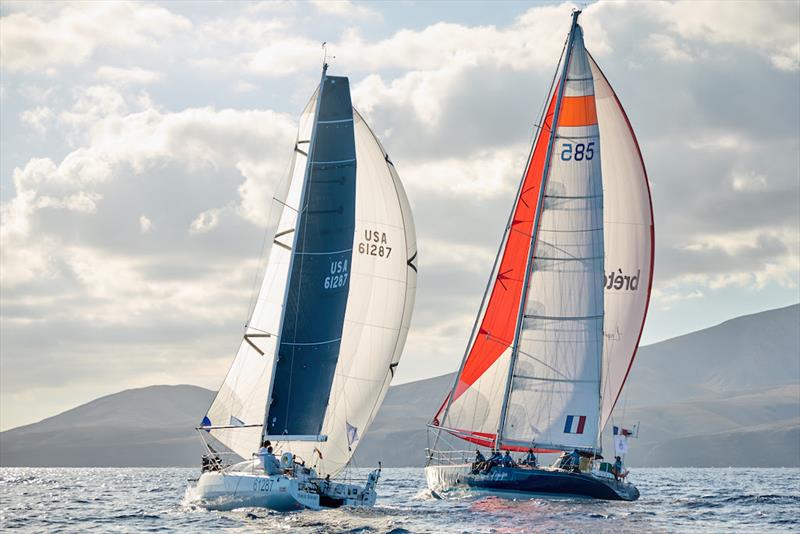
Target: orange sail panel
<point x="577" y="111"/>
<point x="496" y="332"/>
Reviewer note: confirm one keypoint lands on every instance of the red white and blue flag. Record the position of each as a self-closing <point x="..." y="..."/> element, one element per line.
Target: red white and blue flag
<point x="574" y="424"/>
<point x="619" y="431"/>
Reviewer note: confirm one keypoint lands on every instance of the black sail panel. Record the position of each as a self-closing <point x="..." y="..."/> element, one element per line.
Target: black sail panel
<point x="319" y="280"/>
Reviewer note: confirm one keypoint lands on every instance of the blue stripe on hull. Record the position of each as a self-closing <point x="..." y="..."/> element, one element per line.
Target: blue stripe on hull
<point x="320" y="277"/>
<point x="539" y="481"/>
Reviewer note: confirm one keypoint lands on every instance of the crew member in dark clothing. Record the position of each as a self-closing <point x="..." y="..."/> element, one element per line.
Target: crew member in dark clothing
<point x="530" y="459"/>
<point x="495" y="459"/>
<point x="617" y="469"/>
<point x="479" y="462"/>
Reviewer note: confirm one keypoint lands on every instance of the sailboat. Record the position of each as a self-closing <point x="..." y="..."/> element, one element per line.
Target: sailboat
<point x="564" y="307"/>
<point x="328" y="326"/>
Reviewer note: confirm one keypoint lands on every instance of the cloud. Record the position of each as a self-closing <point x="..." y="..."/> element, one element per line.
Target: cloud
<point x="145" y="224"/>
<point x="135" y="194"/>
<point x="120" y="76"/>
<point x="749" y="181"/>
<point x="344" y="8"/>
<point x="205" y="222"/>
<point x="37" y="118"/>
<point x="71" y="35"/>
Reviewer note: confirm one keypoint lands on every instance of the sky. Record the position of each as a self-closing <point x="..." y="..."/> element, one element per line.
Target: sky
<point x="140" y="144"/>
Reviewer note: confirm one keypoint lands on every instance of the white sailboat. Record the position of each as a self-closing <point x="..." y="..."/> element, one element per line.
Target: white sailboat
<point x="565" y="305"/>
<point x="329" y="324"/>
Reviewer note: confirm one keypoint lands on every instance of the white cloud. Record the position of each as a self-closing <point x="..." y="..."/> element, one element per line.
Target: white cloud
<point x="768" y="27"/>
<point x="717" y="141"/>
<point x="71" y="35"/>
<point x="145" y="224"/>
<point x="344" y="8"/>
<point x="750" y="181"/>
<point x="668" y="48"/>
<point x="120" y="76"/>
<point x="205" y="222"/>
<point x="37" y="118"/>
<point x="488" y="173"/>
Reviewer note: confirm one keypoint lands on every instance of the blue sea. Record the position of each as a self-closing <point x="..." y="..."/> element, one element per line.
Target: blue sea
<point x="161" y="500"/>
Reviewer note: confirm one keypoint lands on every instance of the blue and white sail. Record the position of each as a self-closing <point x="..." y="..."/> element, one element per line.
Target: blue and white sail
<point x="332" y="315"/>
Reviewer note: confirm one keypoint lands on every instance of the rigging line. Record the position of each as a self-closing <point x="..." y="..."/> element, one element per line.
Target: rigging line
<point x="532" y="357"/>
<point x="549" y="244"/>
<point x="285" y="204"/>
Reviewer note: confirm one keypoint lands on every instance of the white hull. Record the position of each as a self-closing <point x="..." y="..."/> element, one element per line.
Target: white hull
<point x="225" y="491"/>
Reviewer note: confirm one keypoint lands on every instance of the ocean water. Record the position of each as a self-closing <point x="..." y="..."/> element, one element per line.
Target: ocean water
<point x="161" y="500"/>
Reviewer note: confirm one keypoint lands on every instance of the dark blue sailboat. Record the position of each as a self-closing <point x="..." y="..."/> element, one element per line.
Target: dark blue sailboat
<point x="556" y="336"/>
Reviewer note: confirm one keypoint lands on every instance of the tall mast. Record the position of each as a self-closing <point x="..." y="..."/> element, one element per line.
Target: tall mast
<point x="301" y="209"/>
<point x="534" y="233"/>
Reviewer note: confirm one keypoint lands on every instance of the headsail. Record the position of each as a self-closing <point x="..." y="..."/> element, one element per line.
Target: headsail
<point x="551" y="378"/>
<point x="374" y="323"/>
<point x="243" y="394"/>
<point x="629" y="238"/>
<point x="472" y="409"/>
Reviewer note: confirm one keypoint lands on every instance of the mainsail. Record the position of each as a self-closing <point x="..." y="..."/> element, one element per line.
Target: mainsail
<point x="334" y="307"/>
<point x="561" y="319"/>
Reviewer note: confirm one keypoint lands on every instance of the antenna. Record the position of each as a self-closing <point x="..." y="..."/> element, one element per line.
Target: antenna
<point x="325" y="55"/>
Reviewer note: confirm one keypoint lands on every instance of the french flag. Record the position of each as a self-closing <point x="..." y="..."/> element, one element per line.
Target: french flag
<point x="618" y="431"/>
<point x="574" y="424"/>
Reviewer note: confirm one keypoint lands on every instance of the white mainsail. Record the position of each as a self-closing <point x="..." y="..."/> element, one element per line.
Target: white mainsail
<point x="380" y="299"/>
<point x="565" y="305"/>
<point x="556" y="376"/>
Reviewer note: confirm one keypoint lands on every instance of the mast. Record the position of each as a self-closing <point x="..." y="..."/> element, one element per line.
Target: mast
<point x="302" y="208"/>
<point x="539" y="206"/>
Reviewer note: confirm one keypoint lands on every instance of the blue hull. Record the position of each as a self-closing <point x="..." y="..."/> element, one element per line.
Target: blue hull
<point x="512" y="480"/>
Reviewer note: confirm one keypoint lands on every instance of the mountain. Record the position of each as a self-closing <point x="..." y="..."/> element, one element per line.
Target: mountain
<point x="147" y="427"/>
<point x="724" y="396"/>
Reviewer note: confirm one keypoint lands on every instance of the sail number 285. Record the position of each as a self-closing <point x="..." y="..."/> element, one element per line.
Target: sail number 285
<point x="577" y="151"/>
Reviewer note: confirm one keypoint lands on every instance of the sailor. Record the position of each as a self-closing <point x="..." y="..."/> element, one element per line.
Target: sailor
<point x="477" y="465"/>
<point x="617" y="469"/>
<point x="508" y="461"/>
<point x="575" y="460"/>
<point x="262" y="451"/>
<point x="571" y="461"/>
<point x="495" y="459"/>
<point x="211" y="461"/>
<point x="271" y="464"/>
<point x="530" y="459"/>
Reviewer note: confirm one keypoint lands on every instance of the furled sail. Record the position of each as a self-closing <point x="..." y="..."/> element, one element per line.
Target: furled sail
<point x="372" y="321"/>
<point x="547" y="373"/>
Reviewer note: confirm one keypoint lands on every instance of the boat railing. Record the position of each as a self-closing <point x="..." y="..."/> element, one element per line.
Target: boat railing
<point x="450" y="457"/>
